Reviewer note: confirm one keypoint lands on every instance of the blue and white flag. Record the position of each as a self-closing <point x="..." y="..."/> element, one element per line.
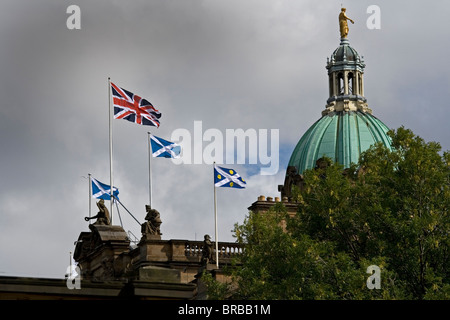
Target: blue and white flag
<point x="103" y="191"/>
<point x="224" y="177"/>
<point x="164" y="148"/>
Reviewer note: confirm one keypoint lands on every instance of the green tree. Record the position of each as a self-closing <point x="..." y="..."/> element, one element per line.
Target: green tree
<point x="389" y="210"/>
<point x="409" y="213"/>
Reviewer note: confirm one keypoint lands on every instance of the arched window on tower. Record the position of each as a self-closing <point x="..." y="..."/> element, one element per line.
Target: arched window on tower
<point x="350" y="83"/>
<point x="360" y="84"/>
<point x="330" y="78"/>
<point x="341" y="83"/>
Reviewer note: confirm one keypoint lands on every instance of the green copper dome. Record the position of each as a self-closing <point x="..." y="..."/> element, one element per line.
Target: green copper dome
<point x="347" y="127"/>
<point x="341" y="136"/>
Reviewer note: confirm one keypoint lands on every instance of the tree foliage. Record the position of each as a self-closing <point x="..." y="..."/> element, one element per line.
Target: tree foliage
<point x="389" y="210"/>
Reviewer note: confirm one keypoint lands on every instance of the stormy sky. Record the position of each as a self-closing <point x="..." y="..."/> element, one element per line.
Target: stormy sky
<point x="232" y="64"/>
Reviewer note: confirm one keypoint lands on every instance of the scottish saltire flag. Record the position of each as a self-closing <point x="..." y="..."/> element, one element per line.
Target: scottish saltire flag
<point x="103" y="191"/>
<point x="164" y="148"/>
<point x="133" y="108"/>
<point x="227" y="178"/>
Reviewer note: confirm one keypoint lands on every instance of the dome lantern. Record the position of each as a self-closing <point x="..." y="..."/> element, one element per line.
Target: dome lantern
<point x="346" y="81"/>
<point x="347" y="127"/>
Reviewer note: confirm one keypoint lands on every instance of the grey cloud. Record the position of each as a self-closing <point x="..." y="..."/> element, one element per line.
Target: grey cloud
<point x="231" y="64"/>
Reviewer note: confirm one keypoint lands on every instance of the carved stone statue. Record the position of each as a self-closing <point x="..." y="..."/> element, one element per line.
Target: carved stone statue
<point x="152" y="226"/>
<point x="322" y="163"/>
<point x="207" y="250"/>
<point x="343" y="25"/>
<point x="292" y="179"/>
<point x="102" y="216"/>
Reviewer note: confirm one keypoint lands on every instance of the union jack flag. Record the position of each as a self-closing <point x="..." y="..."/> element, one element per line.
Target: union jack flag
<point x="133" y="108"/>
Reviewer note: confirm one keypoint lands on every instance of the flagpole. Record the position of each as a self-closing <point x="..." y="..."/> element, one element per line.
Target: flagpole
<point x="215" y="220"/>
<point x="70" y="264"/>
<point x="110" y="151"/>
<point x="90" y="193"/>
<point x="149" y="170"/>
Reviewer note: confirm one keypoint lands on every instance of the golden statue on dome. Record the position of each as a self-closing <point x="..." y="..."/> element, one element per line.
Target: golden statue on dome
<point x="343" y="25"/>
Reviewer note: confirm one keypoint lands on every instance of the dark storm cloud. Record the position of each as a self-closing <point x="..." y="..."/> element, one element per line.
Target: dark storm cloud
<point x="231" y="64"/>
